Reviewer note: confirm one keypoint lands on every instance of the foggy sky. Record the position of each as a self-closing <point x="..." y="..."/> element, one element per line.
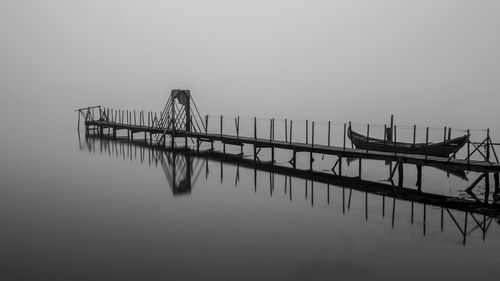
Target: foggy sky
<point x="430" y="62"/>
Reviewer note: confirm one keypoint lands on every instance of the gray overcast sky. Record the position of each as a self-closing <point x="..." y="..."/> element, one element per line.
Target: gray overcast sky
<point x="358" y="60"/>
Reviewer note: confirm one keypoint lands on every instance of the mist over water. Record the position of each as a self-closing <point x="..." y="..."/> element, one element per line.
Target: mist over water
<point x="72" y="214"/>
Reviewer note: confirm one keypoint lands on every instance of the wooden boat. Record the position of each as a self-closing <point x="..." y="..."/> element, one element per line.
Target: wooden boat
<point x="442" y="149"/>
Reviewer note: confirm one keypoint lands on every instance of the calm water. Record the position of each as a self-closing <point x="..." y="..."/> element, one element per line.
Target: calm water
<point x="75" y="209"/>
<point x="84" y="209"/>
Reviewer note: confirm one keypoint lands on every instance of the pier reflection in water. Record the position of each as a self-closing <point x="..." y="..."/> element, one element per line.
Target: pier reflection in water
<point x="349" y="195"/>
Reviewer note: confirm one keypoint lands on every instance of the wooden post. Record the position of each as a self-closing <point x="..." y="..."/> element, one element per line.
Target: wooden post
<point x="307" y="131"/>
<point x="488" y="144"/>
<point x="395" y="140"/>
<point x="392" y="125"/>
<point x="444" y="136"/>
<point x="273" y="128"/>
<point x="344" y="134"/>
<point x="255" y="128"/>
<point x="291" y="127"/>
<point x="206" y="124"/>
<point x="286" y="133"/>
<point x="449" y="134"/>
<point x="78" y="121"/>
<point x="367" y="136"/>
<point x="329" y="129"/>
<point x="238" y="127"/>
<point x="312" y="145"/>
<point x="312" y="135"/>
<point x="385" y="134"/>
<point x="221" y="120"/>
<point x="270" y="129"/>
<point x="426" y="141"/>
<point x="414" y="136"/>
<point x="134" y="118"/>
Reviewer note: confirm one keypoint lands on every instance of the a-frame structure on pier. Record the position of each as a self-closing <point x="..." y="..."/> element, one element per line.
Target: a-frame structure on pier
<point x="180" y="114"/>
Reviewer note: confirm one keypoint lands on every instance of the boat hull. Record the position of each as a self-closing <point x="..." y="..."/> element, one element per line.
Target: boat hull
<point x="441" y="149"/>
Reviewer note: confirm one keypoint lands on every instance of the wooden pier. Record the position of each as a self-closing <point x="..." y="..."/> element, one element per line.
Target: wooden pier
<point x="180" y="119"/>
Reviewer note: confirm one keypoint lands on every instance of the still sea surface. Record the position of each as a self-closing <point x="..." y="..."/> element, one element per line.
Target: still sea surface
<point x="79" y="208"/>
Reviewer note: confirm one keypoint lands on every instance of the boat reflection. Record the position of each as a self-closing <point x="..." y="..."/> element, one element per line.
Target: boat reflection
<point x="182" y="168"/>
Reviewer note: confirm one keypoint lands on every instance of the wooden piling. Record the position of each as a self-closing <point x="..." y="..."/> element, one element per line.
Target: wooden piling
<point x="488" y="145"/>
<point x="385" y="134"/>
<point x="414" y="136"/>
<point x="255" y="127"/>
<point x="395" y="140"/>
<point x="206" y="124"/>
<point x="286" y="133"/>
<point x="311" y="159"/>
<point x="367" y="136"/>
<point x="344" y="135"/>
<point x="329" y="128"/>
<point x="307" y="131"/>
<point x="468" y="147"/>
<point x="221" y="123"/>
<point x="273" y="128"/>
<point x="270" y="129"/>
<point x="238" y="127"/>
<point x="426" y="141"/>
